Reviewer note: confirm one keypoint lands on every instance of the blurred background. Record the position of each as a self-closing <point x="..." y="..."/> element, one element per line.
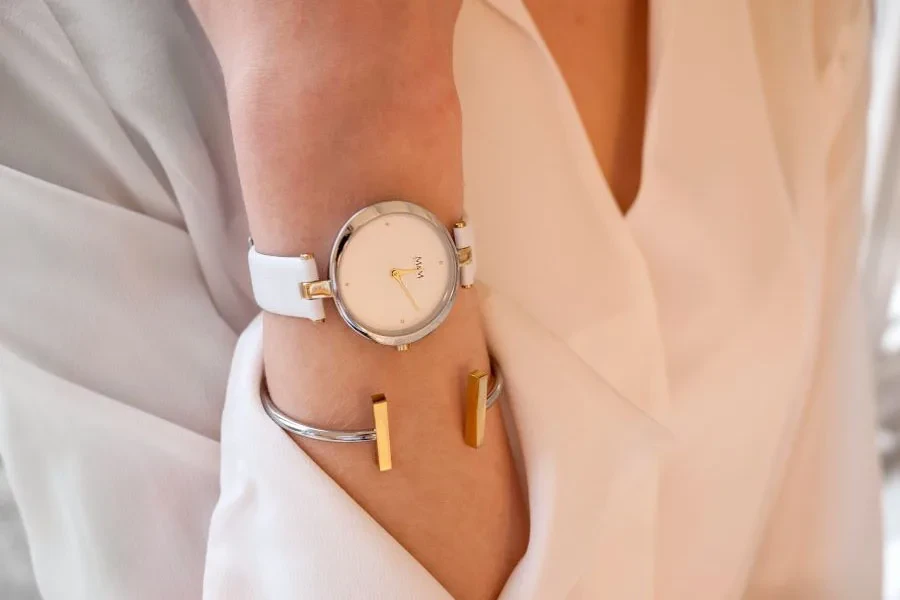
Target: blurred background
<point x="880" y="266"/>
<point x="880" y="273"/>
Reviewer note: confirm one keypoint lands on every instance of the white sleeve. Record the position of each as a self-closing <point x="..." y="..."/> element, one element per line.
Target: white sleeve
<point x="113" y="356"/>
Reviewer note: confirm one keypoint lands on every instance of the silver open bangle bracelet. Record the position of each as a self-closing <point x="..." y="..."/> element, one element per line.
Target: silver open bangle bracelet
<point x="478" y="400"/>
<point x="308" y="431"/>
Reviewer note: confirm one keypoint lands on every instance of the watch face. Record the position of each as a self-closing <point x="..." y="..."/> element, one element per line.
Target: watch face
<point x="395" y="272"/>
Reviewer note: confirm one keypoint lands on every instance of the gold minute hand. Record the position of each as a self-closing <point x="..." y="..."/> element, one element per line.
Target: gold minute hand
<point x="397" y="275"/>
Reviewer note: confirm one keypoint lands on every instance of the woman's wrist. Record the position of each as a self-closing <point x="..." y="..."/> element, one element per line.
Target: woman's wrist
<point x="334" y="106"/>
<point x="315" y="145"/>
<point x="305" y="168"/>
<point x="333" y="144"/>
<point x="323" y="374"/>
<point x="305" y="171"/>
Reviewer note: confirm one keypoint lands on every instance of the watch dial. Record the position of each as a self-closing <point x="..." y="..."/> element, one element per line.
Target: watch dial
<point x="394" y="272"/>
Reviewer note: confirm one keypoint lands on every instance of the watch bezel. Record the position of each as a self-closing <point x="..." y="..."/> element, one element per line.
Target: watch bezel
<point x="357" y="221"/>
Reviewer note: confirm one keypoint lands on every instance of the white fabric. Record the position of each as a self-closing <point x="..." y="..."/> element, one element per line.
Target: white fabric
<point x="882" y="177"/>
<point x="691" y="400"/>
<point x="277" y="282"/>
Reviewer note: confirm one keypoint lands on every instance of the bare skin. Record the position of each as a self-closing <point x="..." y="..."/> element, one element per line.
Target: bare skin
<point x="601" y="48"/>
<point x="335" y="105"/>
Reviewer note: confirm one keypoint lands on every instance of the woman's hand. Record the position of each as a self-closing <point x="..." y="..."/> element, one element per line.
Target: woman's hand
<point x="335" y="105"/>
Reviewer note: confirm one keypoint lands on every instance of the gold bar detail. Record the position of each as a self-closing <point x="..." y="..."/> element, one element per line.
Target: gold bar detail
<point x="464" y="255"/>
<point x="382" y="432"/>
<point x="314" y="290"/>
<point x="476" y="407"/>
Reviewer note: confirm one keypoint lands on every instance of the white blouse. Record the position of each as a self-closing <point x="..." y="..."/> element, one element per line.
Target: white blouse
<point x="689" y="384"/>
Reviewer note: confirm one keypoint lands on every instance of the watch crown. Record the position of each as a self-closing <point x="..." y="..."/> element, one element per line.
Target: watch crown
<point x="402" y="347"/>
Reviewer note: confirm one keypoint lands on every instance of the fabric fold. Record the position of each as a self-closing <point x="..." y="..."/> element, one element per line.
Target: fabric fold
<point x="282" y="526"/>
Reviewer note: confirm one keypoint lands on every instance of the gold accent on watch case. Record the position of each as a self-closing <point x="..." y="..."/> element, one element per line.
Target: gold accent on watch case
<point x="464" y="255"/>
<point x="315" y="290"/>
<point x="382" y="432"/>
<point x="476" y="407"/>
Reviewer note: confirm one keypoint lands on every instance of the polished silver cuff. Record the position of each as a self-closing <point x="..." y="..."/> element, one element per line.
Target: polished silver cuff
<point x="350" y="435"/>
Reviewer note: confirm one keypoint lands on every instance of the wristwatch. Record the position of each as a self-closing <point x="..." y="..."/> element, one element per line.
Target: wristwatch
<point x="393" y="274"/>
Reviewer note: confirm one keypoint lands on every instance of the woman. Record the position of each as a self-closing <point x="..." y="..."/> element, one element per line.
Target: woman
<point x="666" y="200"/>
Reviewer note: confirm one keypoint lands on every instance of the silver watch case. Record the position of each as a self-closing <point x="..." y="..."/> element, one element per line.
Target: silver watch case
<point x="357" y="221"/>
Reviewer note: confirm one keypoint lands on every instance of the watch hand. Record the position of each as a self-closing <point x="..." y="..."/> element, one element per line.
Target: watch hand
<point x="402" y="272"/>
<point x="396" y="274"/>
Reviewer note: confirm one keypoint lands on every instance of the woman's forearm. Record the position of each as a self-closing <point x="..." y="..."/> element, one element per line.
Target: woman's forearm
<point x="340" y="111"/>
<point x="334" y="107"/>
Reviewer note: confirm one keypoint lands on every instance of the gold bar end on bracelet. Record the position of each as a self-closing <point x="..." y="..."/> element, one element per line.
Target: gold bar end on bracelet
<point x="476" y="407"/>
<point x="382" y="432"/>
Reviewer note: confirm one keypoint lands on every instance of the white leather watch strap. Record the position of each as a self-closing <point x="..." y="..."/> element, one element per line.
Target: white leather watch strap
<point x="277" y="284"/>
<point x="464" y="236"/>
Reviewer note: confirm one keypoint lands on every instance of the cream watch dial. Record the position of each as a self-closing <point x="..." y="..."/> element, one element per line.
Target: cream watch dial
<point x="394" y="272"/>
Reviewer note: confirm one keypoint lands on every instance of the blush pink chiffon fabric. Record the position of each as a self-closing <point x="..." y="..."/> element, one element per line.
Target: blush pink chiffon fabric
<point x="689" y="384"/>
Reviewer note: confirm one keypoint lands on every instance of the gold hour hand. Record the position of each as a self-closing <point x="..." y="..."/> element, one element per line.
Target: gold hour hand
<point x="397" y="275"/>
